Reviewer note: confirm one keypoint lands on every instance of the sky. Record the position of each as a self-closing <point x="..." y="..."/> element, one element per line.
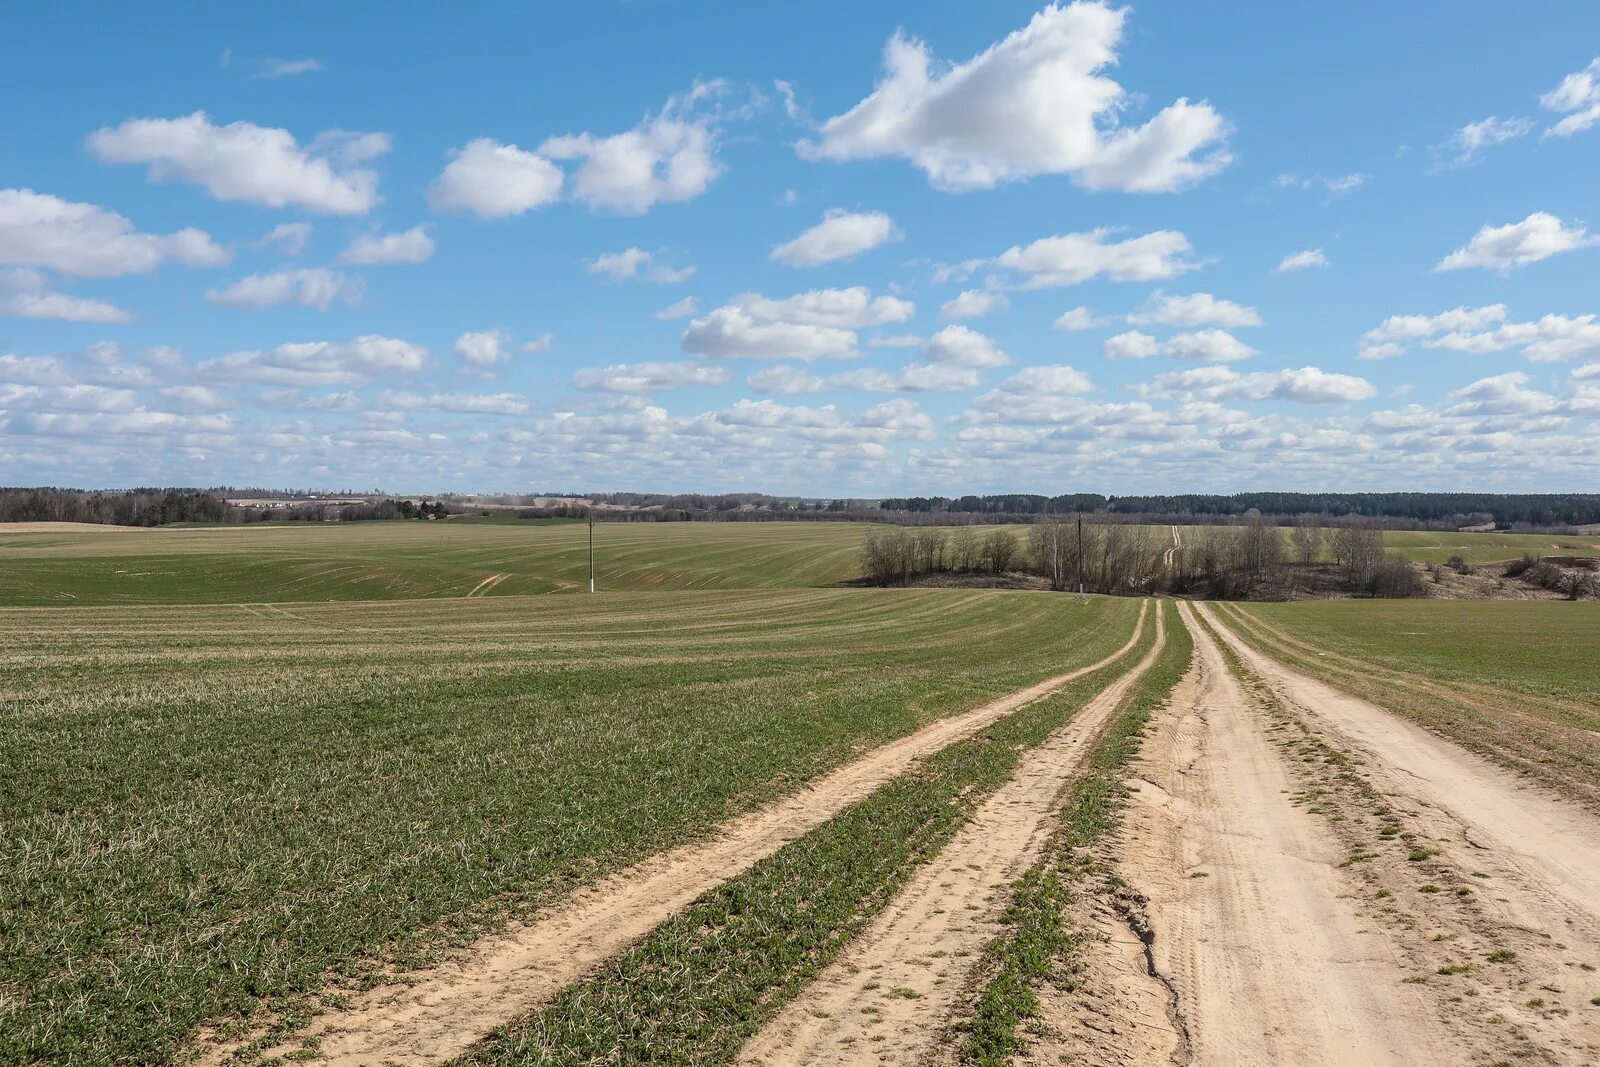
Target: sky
<point x="821" y="249"/>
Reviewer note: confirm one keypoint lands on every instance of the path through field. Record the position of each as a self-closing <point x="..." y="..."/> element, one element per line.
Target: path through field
<point x="1311" y="879"/>
<point x="1535" y="856"/>
<point x="444" y="1010"/>
<point x="888" y="997"/>
<point x="1254" y="940"/>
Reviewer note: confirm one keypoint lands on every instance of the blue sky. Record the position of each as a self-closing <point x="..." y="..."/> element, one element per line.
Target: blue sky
<point x="820" y="249"/>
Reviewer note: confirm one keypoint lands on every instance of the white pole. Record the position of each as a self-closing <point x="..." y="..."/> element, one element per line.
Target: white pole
<point x="591" y="553"/>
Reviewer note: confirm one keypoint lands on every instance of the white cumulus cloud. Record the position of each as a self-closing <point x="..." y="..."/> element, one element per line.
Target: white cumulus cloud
<point x="312" y="364"/>
<point x="962" y="346"/>
<point x="1034" y="103"/>
<point x="317" y="287"/>
<point x="1516" y="244"/>
<point x="1072" y="258"/>
<point x="840" y="235"/>
<point x="251" y="164"/>
<point x="1579" y="96"/>
<point x="648" y="377"/>
<point x="408" y="246"/>
<point x="1307" y="385"/>
<point x="494" y="181"/>
<point x="26" y="294"/>
<point x="972" y="304"/>
<point x="635" y="262"/>
<point x="485" y="348"/>
<point x="40" y="230"/>
<point x="1196" y="309"/>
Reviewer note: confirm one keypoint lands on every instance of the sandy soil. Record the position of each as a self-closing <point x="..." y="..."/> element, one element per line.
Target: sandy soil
<point x="1529" y="860"/>
<point x="442" y="1011"/>
<point x="889" y="995"/>
<point x="1256" y="955"/>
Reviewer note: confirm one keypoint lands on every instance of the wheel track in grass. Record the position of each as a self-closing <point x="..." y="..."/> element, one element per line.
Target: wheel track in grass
<point x="440" y="1011"/>
<point x="888" y="996"/>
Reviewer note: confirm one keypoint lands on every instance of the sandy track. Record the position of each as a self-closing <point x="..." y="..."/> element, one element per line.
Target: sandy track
<point x="1536" y="856"/>
<point x="445" y="1009"/>
<point x="889" y="996"/>
<point x="1555" y="842"/>
<point x="1257" y="953"/>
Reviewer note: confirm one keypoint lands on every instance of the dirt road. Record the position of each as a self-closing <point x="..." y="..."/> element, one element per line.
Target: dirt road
<point x="445" y="1009"/>
<point x="1525" y="865"/>
<point x="889" y="996"/>
<point x="1258" y="956"/>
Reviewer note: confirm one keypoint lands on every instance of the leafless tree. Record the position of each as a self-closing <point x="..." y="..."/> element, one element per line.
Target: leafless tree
<point x="1054" y="545"/>
<point x="999" y="551"/>
<point x="1306" y="536"/>
<point x="1359" y="548"/>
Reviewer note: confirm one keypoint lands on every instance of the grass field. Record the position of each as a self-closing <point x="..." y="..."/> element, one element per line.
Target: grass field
<point x="207" y="808"/>
<point x="411" y="560"/>
<point x="297" y="563"/>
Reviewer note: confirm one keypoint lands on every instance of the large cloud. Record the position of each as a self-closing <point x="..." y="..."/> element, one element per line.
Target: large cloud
<point x="1035" y="103"/>
<point x="253" y="164"/>
<point x="40" y="230"/>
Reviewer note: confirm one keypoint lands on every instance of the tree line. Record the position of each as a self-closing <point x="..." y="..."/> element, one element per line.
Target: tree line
<point x="132" y="507"/>
<point x="1546" y="509"/>
<point x="1250" y="561"/>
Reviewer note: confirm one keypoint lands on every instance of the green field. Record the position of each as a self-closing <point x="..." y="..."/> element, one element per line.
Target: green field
<point x="418" y="560"/>
<point x="410" y="560"/>
<point x="208" y="807"/>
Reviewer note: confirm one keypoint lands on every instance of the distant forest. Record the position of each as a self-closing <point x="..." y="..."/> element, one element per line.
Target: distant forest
<point x="159" y="506"/>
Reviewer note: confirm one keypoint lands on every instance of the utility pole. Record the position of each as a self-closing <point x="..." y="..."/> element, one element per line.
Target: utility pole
<point x="591" y="550"/>
<point x="1080" y="555"/>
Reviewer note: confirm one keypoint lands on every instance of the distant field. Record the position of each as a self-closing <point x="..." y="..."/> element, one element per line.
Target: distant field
<point x="60" y="566"/>
<point x="413" y="560"/>
<point x="204" y="806"/>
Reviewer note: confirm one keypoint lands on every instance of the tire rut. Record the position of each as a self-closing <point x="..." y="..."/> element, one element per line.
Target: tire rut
<point x="891" y="995"/>
<point x="430" y="1015"/>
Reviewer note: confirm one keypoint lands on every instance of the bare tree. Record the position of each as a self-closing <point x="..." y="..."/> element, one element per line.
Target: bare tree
<point x="999" y="551"/>
<point x="1306" y="537"/>
<point x="1358" y="546"/>
<point x="1054" y="545"/>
